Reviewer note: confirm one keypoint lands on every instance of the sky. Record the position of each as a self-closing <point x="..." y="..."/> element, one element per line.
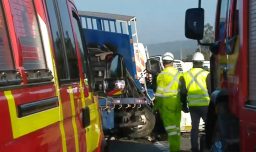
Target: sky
<point x="157" y="20"/>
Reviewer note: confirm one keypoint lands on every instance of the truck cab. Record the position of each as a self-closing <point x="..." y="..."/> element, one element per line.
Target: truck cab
<point x="117" y="62"/>
<point x="44" y="99"/>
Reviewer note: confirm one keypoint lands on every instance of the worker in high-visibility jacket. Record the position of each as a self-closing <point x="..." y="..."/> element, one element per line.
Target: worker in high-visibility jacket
<point x="195" y="91"/>
<point x="168" y="101"/>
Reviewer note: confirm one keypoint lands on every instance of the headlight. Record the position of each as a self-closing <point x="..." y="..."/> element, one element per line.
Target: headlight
<point x="119" y="84"/>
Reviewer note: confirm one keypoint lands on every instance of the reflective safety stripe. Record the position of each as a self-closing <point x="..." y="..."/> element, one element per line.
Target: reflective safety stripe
<point x="170" y="127"/>
<point x="171" y="91"/>
<point x="159" y="89"/>
<point x="167" y="83"/>
<point x="195" y="80"/>
<point x="165" y="95"/>
<point x="63" y="136"/>
<point x="168" y="73"/>
<point x="61" y="126"/>
<point x="198" y="95"/>
<point x="199" y="102"/>
<point x="173" y="81"/>
<point x="166" y="89"/>
<point x="174" y="133"/>
<point x="25" y="125"/>
<point x="72" y="102"/>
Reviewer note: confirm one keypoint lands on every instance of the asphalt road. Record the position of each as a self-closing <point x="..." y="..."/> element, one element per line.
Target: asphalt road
<point x="143" y="145"/>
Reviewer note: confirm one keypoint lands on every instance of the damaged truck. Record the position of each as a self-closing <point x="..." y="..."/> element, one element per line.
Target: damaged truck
<point x="118" y="73"/>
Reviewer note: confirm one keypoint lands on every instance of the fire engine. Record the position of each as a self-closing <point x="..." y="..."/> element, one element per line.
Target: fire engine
<point x="231" y="123"/>
<point x="46" y="103"/>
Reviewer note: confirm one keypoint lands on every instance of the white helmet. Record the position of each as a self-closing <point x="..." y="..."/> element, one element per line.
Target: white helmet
<point x="198" y="56"/>
<point x="168" y="56"/>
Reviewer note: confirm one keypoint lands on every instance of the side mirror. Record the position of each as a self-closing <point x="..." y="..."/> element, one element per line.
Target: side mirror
<point x="194" y="23"/>
<point x="153" y="66"/>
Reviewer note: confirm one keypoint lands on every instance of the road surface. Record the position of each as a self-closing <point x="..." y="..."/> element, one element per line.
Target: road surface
<point x="143" y="145"/>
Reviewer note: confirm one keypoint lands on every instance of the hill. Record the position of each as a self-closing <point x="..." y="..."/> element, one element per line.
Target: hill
<point x="178" y="48"/>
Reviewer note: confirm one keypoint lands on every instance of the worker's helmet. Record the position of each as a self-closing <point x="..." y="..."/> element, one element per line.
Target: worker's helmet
<point x="198" y="57"/>
<point x="168" y="56"/>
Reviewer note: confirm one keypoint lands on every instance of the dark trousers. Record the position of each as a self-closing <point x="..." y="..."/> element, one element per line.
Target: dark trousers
<point x="196" y="113"/>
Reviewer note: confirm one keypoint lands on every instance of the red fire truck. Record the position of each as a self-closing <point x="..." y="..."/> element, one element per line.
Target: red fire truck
<point x="45" y="99"/>
<point x="231" y="124"/>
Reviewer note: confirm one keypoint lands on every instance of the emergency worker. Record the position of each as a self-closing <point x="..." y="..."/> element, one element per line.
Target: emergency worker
<point x="168" y="101"/>
<point x="195" y="91"/>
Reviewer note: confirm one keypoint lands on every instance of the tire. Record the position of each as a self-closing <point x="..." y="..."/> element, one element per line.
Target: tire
<point x="221" y="131"/>
<point x="148" y="118"/>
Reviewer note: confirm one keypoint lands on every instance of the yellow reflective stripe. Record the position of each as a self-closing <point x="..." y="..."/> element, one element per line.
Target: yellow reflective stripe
<point x="72" y="102"/>
<point x="61" y="126"/>
<point x="25" y="125"/>
<point x="82" y="93"/>
<point x="83" y="101"/>
<point x="63" y="136"/>
<point x="53" y="68"/>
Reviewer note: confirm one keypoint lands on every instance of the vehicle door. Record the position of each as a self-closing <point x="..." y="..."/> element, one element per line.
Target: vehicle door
<point x="93" y="125"/>
<point x="29" y="106"/>
<point x="68" y="74"/>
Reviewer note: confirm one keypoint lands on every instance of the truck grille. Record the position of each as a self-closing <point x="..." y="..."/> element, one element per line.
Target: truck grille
<point x="252" y="50"/>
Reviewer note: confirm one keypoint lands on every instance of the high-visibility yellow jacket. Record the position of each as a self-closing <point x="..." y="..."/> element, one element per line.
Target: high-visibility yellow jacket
<point x="196" y="85"/>
<point x="168" y="82"/>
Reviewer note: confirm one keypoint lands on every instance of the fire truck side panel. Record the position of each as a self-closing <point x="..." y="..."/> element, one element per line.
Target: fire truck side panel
<point x="6" y="129"/>
<point x="41" y="112"/>
<point x="247" y="100"/>
<point x="235" y="69"/>
<point x="30" y="112"/>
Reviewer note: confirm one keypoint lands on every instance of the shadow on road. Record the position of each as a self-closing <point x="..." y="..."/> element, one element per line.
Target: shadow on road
<point x="128" y="146"/>
<point x="143" y="145"/>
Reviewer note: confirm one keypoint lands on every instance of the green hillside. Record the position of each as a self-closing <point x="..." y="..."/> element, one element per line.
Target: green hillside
<point x="180" y="49"/>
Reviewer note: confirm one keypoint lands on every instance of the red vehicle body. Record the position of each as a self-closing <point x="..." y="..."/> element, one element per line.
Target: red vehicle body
<point x="231" y="123"/>
<point x="45" y="100"/>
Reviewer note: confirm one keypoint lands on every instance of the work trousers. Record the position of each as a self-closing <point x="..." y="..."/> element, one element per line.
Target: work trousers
<point x="196" y="113"/>
<point x="170" y="112"/>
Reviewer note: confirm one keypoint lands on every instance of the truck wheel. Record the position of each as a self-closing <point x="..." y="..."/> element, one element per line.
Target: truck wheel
<point x="224" y="137"/>
<point x="147" y="119"/>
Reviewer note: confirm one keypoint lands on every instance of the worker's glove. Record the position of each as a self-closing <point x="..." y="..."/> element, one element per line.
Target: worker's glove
<point x="185" y="108"/>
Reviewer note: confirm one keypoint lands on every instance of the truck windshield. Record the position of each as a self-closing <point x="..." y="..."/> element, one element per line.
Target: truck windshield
<point x="115" y="67"/>
<point x="223" y="19"/>
<point x="6" y="61"/>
